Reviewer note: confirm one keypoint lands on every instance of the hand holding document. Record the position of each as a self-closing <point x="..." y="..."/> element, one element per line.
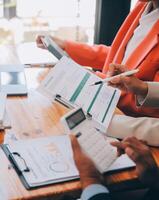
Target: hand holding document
<point x="53" y="47"/>
<point x="72" y="82"/>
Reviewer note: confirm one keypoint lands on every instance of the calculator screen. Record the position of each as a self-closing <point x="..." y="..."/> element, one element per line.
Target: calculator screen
<point x="75" y="119"/>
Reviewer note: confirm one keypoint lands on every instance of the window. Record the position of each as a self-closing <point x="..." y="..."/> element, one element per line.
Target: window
<point x="1" y="8"/>
<point x="24" y="19"/>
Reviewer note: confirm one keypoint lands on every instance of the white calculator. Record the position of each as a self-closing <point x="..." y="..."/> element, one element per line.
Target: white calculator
<point x="93" y="142"/>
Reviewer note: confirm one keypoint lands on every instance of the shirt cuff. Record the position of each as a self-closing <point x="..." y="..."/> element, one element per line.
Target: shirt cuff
<point x="140" y="99"/>
<point x="152" y="97"/>
<point x="93" y="190"/>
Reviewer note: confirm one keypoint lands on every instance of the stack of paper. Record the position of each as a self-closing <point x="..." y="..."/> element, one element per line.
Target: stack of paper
<point x="4" y="121"/>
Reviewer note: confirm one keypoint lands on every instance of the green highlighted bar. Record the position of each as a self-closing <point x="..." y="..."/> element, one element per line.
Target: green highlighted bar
<point x="80" y="87"/>
<point x="109" y="106"/>
<point x="91" y="105"/>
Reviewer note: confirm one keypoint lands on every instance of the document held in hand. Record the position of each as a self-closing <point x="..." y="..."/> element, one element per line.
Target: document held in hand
<point x="72" y="83"/>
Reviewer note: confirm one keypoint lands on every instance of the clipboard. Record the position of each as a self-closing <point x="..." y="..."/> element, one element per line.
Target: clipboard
<point x="15" y="166"/>
<point x="22" y="170"/>
<point x="63" y="101"/>
<point x="68" y="104"/>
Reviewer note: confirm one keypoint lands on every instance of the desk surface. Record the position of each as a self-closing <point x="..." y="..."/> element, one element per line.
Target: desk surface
<point x="35" y="116"/>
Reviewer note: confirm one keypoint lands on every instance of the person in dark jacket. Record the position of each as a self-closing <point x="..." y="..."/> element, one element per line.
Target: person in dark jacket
<point x="91" y="180"/>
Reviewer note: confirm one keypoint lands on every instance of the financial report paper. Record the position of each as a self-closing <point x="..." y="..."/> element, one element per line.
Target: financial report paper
<point x="49" y="159"/>
<point x="73" y="83"/>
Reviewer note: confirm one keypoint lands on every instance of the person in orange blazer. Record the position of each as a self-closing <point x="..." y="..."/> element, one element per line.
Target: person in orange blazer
<point x="145" y="56"/>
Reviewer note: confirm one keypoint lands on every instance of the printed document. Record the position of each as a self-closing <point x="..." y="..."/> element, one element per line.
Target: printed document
<point x="73" y="83"/>
<point x="49" y="160"/>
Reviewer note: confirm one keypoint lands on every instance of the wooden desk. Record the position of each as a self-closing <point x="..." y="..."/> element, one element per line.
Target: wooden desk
<point x="35" y="116"/>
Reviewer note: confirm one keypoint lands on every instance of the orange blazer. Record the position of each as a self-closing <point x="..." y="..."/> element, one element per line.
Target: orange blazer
<point x="145" y="57"/>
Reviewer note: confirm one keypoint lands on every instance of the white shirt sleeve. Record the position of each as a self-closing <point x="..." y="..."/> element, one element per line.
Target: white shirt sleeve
<point x="152" y="97"/>
<point x="93" y="190"/>
<point x="145" y="128"/>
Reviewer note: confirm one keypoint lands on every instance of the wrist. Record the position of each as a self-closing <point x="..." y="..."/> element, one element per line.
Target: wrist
<point x="89" y="181"/>
<point x="150" y="175"/>
<point x="143" y="89"/>
<point x="60" y="42"/>
<point x="63" y="45"/>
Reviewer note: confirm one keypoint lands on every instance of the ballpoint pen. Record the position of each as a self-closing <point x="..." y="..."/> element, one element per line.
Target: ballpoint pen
<point x="128" y="73"/>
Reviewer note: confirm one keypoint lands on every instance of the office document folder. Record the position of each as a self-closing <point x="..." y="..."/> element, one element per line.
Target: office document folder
<point x="71" y="83"/>
<point x="42" y="161"/>
<point x="49" y="160"/>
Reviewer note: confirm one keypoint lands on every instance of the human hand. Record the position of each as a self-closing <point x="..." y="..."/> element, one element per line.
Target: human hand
<point x="118" y="111"/>
<point x="126" y="83"/>
<point x="59" y="42"/>
<point x="88" y="172"/>
<point x="140" y="153"/>
<point x="39" y="42"/>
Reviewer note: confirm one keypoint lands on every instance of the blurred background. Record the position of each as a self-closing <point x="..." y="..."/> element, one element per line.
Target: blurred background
<point x="22" y="20"/>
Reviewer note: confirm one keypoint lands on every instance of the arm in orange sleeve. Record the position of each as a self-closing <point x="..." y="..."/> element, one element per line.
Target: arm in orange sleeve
<point x="156" y="79"/>
<point x="128" y="106"/>
<point x="86" y="55"/>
